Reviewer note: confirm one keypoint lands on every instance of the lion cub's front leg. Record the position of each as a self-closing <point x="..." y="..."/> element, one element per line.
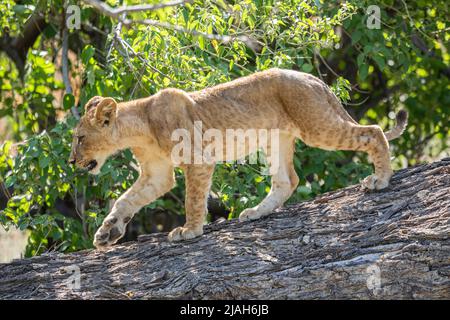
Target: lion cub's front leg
<point x="152" y="184"/>
<point x="198" y="182"/>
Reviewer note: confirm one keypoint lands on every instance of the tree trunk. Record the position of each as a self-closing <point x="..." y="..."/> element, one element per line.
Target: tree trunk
<point x="348" y="244"/>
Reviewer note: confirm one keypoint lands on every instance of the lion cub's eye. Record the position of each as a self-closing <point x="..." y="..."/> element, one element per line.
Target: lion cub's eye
<point x="80" y="139"/>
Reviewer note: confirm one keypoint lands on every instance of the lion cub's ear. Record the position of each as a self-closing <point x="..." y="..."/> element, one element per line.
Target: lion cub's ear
<point x="105" y="112"/>
<point x="93" y="102"/>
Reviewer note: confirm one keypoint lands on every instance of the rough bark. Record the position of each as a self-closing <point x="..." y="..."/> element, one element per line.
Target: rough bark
<point x="391" y="244"/>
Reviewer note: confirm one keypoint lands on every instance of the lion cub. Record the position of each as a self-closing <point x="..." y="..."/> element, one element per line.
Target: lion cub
<point x="296" y="104"/>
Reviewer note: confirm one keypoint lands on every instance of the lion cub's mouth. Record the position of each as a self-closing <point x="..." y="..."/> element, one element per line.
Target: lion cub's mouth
<point x="91" y="165"/>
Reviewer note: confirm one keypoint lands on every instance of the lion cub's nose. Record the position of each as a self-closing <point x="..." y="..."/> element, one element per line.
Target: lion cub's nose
<point x="72" y="161"/>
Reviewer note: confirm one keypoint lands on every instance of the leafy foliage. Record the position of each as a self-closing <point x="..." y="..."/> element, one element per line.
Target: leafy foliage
<point x="384" y="68"/>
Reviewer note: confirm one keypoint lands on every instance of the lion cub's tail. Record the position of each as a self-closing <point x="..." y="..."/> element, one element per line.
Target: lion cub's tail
<point x="402" y="121"/>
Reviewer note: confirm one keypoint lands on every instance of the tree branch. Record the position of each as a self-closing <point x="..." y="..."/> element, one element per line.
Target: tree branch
<point x="118" y="12"/>
<point x="347" y="244"/>
<point x="421" y="45"/>
<point x="120" y="15"/>
<point x="65" y="64"/>
<point x="17" y="48"/>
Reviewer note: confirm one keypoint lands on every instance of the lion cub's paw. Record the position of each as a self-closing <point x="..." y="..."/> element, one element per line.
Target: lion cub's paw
<point x="373" y="182"/>
<point x="112" y="229"/>
<point x="249" y="214"/>
<point x="184" y="233"/>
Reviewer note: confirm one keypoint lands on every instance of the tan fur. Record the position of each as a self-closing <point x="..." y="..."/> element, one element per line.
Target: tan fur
<point x="298" y="104"/>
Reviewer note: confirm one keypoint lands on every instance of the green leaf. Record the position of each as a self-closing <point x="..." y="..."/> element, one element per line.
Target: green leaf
<point x="91" y="77"/>
<point x="363" y="71"/>
<point x="307" y="67"/>
<point x="201" y="43"/>
<point x="380" y="61"/>
<point x="21" y="9"/>
<point x="87" y="54"/>
<point x="68" y="101"/>
<point x="360" y="59"/>
<point x="304" y="191"/>
<point x="44" y="161"/>
<point x="356" y="36"/>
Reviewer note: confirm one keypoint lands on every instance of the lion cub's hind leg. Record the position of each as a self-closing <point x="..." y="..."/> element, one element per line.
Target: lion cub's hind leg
<point x="284" y="181"/>
<point x="374" y="142"/>
<point x="370" y="139"/>
<point x="198" y="183"/>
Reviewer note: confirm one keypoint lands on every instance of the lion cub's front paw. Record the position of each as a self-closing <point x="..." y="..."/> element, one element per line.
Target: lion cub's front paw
<point x="184" y="233"/>
<point x="112" y="229"/>
<point x="374" y="182"/>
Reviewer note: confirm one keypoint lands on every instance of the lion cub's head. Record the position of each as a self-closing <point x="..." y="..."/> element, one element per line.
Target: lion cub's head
<point x="93" y="137"/>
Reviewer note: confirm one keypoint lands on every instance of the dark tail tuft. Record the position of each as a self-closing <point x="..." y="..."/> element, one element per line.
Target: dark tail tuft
<point x="402" y="116"/>
<point x="402" y="121"/>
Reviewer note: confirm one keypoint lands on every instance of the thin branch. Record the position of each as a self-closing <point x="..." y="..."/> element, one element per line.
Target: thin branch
<point x="316" y="64"/>
<point x="17" y="48"/>
<point x="412" y="23"/>
<point x="357" y="104"/>
<point x="126" y="51"/>
<point x="118" y="12"/>
<point x="120" y="15"/>
<point x="327" y="65"/>
<point x="420" y="145"/>
<point x="376" y="100"/>
<point x="5" y="190"/>
<point x="177" y="28"/>
<point x="65" y="67"/>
